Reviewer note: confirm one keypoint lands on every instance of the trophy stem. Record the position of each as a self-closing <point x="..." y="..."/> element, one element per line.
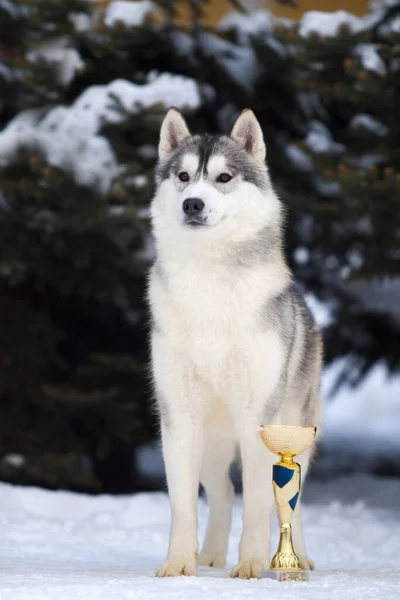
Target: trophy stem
<point x="286" y="483"/>
<point x="285" y="557"/>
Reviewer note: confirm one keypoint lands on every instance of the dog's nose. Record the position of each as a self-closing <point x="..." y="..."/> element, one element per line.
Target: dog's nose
<point x="193" y="206"/>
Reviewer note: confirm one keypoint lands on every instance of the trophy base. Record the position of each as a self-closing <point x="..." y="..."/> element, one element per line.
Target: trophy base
<point x="284" y="575"/>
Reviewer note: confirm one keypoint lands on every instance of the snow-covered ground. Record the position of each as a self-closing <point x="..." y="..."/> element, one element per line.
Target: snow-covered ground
<point x="64" y="546"/>
<point x="362" y="423"/>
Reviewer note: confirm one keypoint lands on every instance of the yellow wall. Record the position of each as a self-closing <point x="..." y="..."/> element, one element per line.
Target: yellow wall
<point x="358" y="7"/>
<point x="217" y="8"/>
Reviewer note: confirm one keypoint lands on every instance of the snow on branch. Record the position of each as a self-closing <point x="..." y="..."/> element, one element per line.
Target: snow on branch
<point x="370" y="59"/>
<point x="328" y="24"/>
<point x="370" y="124"/>
<point x="67" y="60"/>
<point x="131" y="14"/>
<point x="69" y="137"/>
<point x="9" y="7"/>
<point x="237" y="61"/>
<point x="319" y="140"/>
<point x="254" y="23"/>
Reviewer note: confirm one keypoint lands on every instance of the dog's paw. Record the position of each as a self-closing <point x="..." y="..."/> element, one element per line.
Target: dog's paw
<point x="177" y="568"/>
<point x="306" y="563"/>
<point x="212" y="559"/>
<point x="247" y="569"/>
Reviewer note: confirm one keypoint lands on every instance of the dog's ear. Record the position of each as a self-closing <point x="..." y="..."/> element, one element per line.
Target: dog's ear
<point x="173" y="131"/>
<point x="247" y="132"/>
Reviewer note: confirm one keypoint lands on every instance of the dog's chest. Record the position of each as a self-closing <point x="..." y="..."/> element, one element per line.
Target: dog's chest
<point x="210" y="322"/>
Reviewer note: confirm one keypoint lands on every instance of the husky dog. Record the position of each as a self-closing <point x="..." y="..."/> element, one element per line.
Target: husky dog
<point x="233" y="343"/>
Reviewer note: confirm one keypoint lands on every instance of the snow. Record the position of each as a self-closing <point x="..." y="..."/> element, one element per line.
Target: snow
<point x="299" y="158"/>
<point x="139" y="181"/>
<point x="81" y="21"/>
<point x="239" y="61"/>
<point x="365" y="121"/>
<point x="3" y="204"/>
<point x="69" y="136"/>
<point x="246" y="25"/>
<point x="394" y="25"/>
<point x="183" y="44"/>
<point x="370" y="59"/>
<point x="301" y="255"/>
<point x="67" y="60"/>
<point x="132" y="14"/>
<point x="10" y="7"/>
<point x="361" y="430"/>
<point x="379" y="8"/>
<point x="15" y="460"/>
<point x="58" y="545"/>
<point x="5" y="72"/>
<point x="328" y="24"/>
<point x="320" y="310"/>
<point x="380" y="294"/>
<point x="319" y="140"/>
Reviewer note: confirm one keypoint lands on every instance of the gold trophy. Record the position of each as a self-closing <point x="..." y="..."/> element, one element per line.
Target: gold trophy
<point x="286" y="441"/>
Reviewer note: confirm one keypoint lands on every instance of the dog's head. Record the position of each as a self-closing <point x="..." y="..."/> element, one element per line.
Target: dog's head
<point x="211" y="186"/>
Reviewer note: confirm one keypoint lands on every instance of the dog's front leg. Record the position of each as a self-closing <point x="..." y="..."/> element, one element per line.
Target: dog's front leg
<point x="182" y="448"/>
<point x="257" y="501"/>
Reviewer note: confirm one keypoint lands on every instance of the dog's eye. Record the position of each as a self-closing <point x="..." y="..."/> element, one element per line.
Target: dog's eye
<point x="183" y="176"/>
<point x="224" y="178"/>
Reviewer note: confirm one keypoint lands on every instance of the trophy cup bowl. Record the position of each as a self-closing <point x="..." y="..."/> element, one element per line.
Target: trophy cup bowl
<point x="286" y="441"/>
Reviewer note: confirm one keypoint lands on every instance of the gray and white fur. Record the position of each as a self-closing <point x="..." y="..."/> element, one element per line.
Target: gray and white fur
<point x="233" y="344"/>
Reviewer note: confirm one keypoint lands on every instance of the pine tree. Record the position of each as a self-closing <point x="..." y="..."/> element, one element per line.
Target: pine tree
<point x="73" y="230"/>
<point x="28" y="31"/>
<point x="353" y="68"/>
<point x="83" y="94"/>
<point x="82" y="111"/>
<point x="326" y="93"/>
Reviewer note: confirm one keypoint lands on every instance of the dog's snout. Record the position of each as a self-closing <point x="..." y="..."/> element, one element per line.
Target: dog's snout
<point x="193" y="206"/>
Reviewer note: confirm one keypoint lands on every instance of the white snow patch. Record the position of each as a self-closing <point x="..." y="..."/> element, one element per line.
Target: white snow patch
<point x="327" y="188"/>
<point x="254" y="23"/>
<point x="139" y="181"/>
<point x="81" y="21"/>
<point x="328" y="24"/>
<point x="57" y="52"/>
<point x="299" y="158"/>
<point x="132" y="14"/>
<point x="379" y="294"/>
<point x="239" y="61"/>
<point x="319" y="140"/>
<point x="321" y="312"/>
<point x="365" y="121"/>
<point x="68" y="136"/>
<point x="183" y="43"/>
<point x="150" y="460"/>
<point x="362" y="422"/>
<point x="10" y="7"/>
<point x="363" y="161"/>
<point x="301" y="255"/>
<point x="394" y="25"/>
<point x="5" y="72"/>
<point x="60" y="545"/>
<point x="14" y="460"/>
<point x="370" y="59"/>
